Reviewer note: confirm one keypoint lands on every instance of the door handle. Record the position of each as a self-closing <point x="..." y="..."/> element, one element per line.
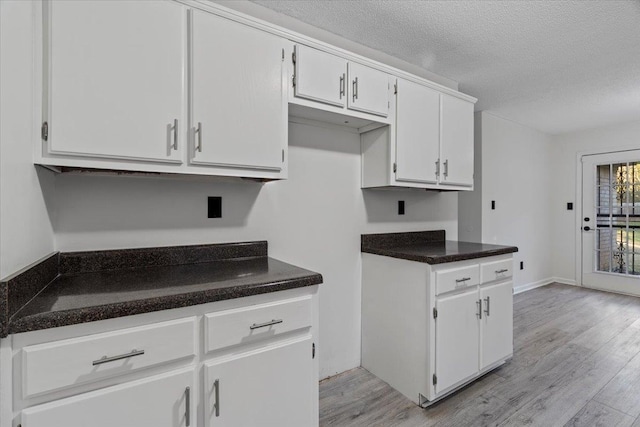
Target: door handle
<point x="342" y="84"/>
<point x="355" y="89"/>
<point x="479" y="305"/>
<point x="198" y="130"/>
<point x="488" y="309"/>
<point x="187" y="403"/>
<point x="216" y="406"/>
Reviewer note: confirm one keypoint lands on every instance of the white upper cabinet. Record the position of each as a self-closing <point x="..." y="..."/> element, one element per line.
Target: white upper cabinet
<point x="116" y="84"/>
<point x="239" y="95"/>
<point x="417" y="133"/>
<point x="369" y="90"/>
<point x="320" y="76"/>
<point x="457" y="141"/>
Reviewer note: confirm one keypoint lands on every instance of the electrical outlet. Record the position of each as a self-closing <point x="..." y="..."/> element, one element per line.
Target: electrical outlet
<point x="400" y="207"/>
<point x="214" y="207"/>
<point x="521" y="265"/>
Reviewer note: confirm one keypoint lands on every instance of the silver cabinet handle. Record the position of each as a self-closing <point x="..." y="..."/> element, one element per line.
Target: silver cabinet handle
<point x="446" y="168"/>
<point x="105" y="359"/>
<point x="175" y="134"/>
<point x="504" y="270"/>
<point x="464" y="279"/>
<point x="479" y="306"/>
<point x="216" y="389"/>
<point x="265" y="324"/>
<point x="342" y="88"/>
<point x="488" y="309"/>
<point x="437" y="167"/>
<point x="187" y="402"/>
<point x="198" y="131"/>
<point x="355" y="88"/>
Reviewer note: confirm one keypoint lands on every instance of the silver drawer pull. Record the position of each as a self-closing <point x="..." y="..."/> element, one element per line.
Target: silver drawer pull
<point x="187" y="404"/>
<point x="464" y="279"/>
<point x="265" y="324"/>
<point x="105" y="359"/>
<point x="488" y="309"/>
<point x="504" y="270"/>
<point x="216" y="406"/>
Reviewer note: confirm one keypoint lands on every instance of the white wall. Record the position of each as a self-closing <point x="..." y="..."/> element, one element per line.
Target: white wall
<point x="565" y="149"/>
<point x="515" y="172"/>
<point x="314" y="220"/>
<point x="25" y="228"/>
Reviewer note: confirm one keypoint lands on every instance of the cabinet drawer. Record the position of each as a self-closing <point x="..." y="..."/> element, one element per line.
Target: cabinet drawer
<point x="457" y="278"/>
<point x="248" y="324"/>
<point x="62" y="364"/>
<point x="496" y="270"/>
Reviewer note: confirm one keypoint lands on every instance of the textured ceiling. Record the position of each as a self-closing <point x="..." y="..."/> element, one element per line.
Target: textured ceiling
<point x="556" y="66"/>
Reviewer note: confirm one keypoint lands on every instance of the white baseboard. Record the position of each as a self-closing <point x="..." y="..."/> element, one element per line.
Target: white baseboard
<point x="532" y="285"/>
<point x="565" y="281"/>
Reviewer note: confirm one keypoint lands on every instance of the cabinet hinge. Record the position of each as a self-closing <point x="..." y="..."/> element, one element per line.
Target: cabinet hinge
<point x="293" y="56"/>
<point x="283" y="54"/>
<point x="44" y="131"/>
<point x="293" y="80"/>
<point x="313" y="350"/>
<point x="395" y="167"/>
<point x="435" y="313"/>
<point x="395" y="89"/>
<point x="435" y="379"/>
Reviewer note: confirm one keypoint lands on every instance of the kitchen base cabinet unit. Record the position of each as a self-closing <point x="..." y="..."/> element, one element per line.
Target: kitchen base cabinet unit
<point x="436" y="314"/>
<point x="226" y="338"/>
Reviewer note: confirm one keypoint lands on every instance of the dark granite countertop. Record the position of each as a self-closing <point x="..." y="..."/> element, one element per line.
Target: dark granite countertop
<point x="100" y="285"/>
<point x="429" y="247"/>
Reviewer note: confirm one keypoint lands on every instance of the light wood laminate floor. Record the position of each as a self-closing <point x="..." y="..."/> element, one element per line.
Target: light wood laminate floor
<point x="576" y="363"/>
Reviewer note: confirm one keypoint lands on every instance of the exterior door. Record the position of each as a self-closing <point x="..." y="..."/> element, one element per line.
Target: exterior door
<point x="159" y="401"/>
<point x="457" y="142"/>
<point x="417" y="133"/>
<point x="264" y="387"/>
<point x="116" y="79"/>
<point x="610" y="223"/>
<point x="496" y="325"/>
<point x="457" y="338"/>
<point x="238" y="87"/>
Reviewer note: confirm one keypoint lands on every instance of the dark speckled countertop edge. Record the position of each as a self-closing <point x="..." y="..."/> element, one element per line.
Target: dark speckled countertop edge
<point x="110" y="311"/>
<point x="19" y="290"/>
<point x="439" y="259"/>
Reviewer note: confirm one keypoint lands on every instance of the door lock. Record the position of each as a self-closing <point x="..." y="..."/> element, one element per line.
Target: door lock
<point x="586" y="228"/>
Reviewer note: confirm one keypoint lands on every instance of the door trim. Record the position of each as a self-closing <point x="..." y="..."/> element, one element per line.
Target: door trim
<point x="578" y="202"/>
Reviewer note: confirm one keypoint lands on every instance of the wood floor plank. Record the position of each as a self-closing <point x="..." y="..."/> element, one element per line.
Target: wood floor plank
<point x="623" y="391"/>
<point x="595" y="414"/>
<point x="576" y="363"/>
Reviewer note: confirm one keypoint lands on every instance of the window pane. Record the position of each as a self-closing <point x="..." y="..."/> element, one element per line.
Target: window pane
<point x="603" y="239"/>
<point x="602" y="175"/>
<point x="619" y="174"/>
<point x="619" y="263"/>
<point x="603" y="260"/>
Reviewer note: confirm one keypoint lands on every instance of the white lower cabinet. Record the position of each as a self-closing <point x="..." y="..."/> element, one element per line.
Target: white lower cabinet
<point x="457" y="338"/>
<point x="269" y="387"/>
<point x="237" y="363"/>
<point x="159" y="401"/>
<point x="428" y="330"/>
<point x="496" y="325"/>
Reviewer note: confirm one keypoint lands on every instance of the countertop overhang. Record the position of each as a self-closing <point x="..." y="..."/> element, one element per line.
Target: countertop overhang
<point x="430" y="247"/>
<point x="79" y="287"/>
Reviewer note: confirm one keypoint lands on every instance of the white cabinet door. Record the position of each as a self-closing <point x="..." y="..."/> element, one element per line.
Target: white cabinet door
<point x="368" y="90"/>
<point x="457" y="141"/>
<point x="320" y="76"/>
<point x="457" y="338"/>
<point x="159" y="401"/>
<point x="497" y="323"/>
<point x="268" y="387"/>
<point x="116" y="79"/>
<point x="417" y="133"/>
<point x="239" y="95"/>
